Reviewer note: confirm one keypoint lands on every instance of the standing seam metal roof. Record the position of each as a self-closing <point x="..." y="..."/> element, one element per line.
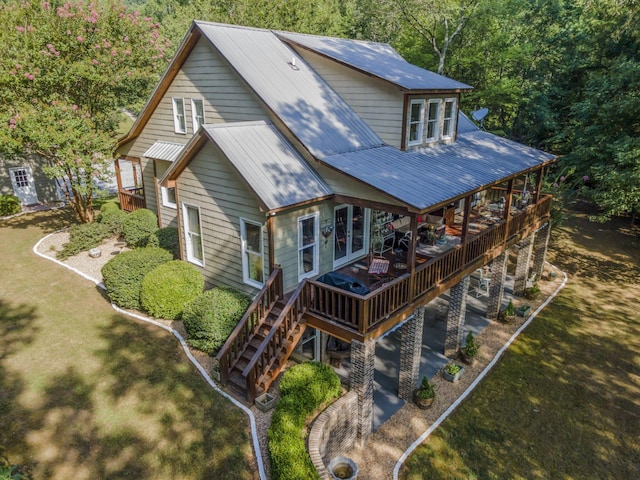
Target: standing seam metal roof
<point x="379" y="59"/>
<point x="268" y="163"/>
<point x="167" y="151"/>
<point x="311" y="109"/>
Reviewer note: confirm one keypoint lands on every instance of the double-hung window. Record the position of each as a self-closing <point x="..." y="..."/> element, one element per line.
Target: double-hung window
<point x="252" y="256"/>
<point x="193" y="234"/>
<point x="416" y="122"/>
<point x="433" y="120"/>
<point x="179" y="120"/>
<point x="448" y="121"/>
<point x="308" y="245"/>
<point x="197" y="112"/>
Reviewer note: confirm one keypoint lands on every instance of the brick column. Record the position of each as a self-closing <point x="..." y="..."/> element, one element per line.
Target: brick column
<point x="496" y="286"/>
<point x="540" y="245"/>
<point x="524" y="249"/>
<point x="410" y="353"/>
<point x="361" y="380"/>
<point x="456" y="315"/>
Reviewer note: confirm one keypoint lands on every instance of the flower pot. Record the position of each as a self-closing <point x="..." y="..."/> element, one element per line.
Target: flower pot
<point x="343" y="468"/>
<point x="466" y="359"/>
<point x="452" y="377"/>
<point x="523" y="310"/>
<point x="422" y="403"/>
<point x="265" y="402"/>
<point x="215" y="373"/>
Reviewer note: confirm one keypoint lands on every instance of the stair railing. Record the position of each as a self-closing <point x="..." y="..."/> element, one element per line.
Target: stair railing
<point x="276" y="345"/>
<point x="253" y="318"/>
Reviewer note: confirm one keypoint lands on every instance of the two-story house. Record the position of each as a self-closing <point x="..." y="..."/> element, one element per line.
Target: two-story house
<point x="282" y="157"/>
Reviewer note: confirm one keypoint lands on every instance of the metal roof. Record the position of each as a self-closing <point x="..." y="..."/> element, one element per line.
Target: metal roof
<point x="432" y="175"/>
<point x="307" y="105"/>
<point x="379" y="59"/>
<point x="268" y="163"/>
<point x="168" y="151"/>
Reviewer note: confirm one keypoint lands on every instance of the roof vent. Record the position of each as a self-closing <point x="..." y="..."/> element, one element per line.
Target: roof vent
<point x="293" y="65"/>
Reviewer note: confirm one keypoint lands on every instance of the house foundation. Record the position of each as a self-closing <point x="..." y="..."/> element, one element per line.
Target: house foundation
<point x="455" y="317"/>
<point x="540" y="246"/>
<point x="496" y="286"/>
<point x="361" y="380"/>
<point x="524" y="249"/>
<point x="410" y="353"/>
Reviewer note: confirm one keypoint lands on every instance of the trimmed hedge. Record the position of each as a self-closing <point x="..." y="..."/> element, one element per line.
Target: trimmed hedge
<point x="138" y="226"/>
<point x="112" y="217"/>
<point x="123" y="274"/>
<point x="167" y="288"/>
<point x="83" y="237"/>
<point x="303" y="389"/>
<point x="210" y="318"/>
<point x="9" y="205"/>
<point x="166" y="238"/>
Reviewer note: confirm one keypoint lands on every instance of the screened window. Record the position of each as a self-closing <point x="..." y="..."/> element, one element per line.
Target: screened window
<point x="179" y="121"/>
<point x="252" y="256"/>
<point x="308" y="245"/>
<point x="416" y="122"/>
<point x="193" y="234"/>
<point x="197" y="111"/>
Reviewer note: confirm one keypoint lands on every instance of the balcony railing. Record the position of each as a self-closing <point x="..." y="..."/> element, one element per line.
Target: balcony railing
<point x="362" y="313"/>
<point x="131" y="199"/>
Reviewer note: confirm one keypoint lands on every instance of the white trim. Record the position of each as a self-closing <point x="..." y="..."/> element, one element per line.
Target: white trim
<point x="164" y="191"/>
<point x="177" y="115"/>
<point x="194" y="117"/>
<point x="437" y="102"/>
<point x="246" y="278"/>
<point x="350" y="255"/>
<point x="315" y="245"/>
<point x="451" y="119"/>
<point x="419" y="123"/>
<point x="27" y="194"/>
<point x="188" y="235"/>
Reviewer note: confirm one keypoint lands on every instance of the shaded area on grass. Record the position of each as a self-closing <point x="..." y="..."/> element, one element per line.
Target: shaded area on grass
<point x="86" y="393"/>
<point x="564" y="400"/>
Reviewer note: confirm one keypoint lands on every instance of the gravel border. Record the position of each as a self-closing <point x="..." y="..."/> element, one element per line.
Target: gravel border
<point x="380" y="453"/>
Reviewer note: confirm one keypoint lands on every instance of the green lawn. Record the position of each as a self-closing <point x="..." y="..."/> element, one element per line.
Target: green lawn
<point x="88" y="394"/>
<point x="564" y="402"/>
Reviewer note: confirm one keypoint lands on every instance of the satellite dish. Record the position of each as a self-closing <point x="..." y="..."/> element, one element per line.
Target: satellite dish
<point x="479" y="115"/>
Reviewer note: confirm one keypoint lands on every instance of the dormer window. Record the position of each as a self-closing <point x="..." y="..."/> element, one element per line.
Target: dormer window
<point x="431" y="120"/>
<point x="179" y="121"/>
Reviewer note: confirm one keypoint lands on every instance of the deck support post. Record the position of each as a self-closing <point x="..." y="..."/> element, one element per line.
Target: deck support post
<point x="361" y="380"/>
<point x="540" y="245"/>
<point x="524" y="249"/>
<point x="496" y="286"/>
<point x="456" y="316"/>
<point x="410" y="353"/>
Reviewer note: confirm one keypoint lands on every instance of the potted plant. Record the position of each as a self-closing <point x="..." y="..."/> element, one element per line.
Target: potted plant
<point x="215" y="372"/>
<point x="509" y="313"/>
<point x="452" y="372"/>
<point x="265" y="402"/>
<point x="470" y="350"/>
<point x="532" y="292"/>
<point x="425" y="394"/>
<point x="523" y="310"/>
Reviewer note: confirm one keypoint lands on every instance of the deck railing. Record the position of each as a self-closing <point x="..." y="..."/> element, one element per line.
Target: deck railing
<point x="363" y="312"/>
<point x="253" y="318"/>
<point x="131" y="200"/>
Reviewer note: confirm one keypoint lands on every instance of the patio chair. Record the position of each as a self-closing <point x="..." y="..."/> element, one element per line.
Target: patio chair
<point x="479" y="284"/>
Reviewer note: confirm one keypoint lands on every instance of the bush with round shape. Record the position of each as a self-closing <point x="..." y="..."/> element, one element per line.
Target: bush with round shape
<point x="210" y="318"/>
<point x="166" y="238"/>
<point x="167" y="288"/>
<point x="138" y="226"/>
<point x="123" y="274"/>
<point x="9" y="205"/>
<point x="113" y="218"/>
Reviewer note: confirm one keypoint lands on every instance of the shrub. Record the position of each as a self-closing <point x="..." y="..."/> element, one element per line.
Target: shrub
<point x="83" y="237"/>
<point x="303" y="389"/>
<point x="9" y="205"/>
<point x="138" y="226"/>
<point x="210" y="318"/>
<point x="123" y="274"/>
<point x="166" y="238"/>
<point x="167" y="288"/>
<point x="112" y="217"/>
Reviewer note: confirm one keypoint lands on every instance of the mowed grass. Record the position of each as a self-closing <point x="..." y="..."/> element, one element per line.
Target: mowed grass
<point x="564" y="402"/>
<point x="88" y="394"/>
